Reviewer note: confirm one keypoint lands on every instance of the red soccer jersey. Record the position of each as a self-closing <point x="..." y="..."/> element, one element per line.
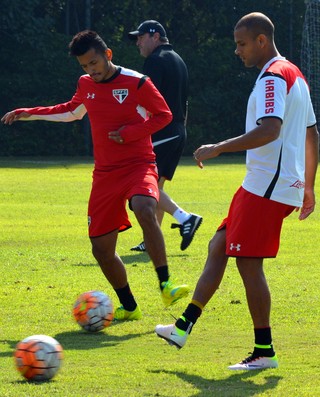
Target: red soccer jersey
<point x="129" y="100"/>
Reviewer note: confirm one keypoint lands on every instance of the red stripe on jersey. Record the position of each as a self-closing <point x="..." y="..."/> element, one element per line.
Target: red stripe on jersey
<point x="287" y="70"/>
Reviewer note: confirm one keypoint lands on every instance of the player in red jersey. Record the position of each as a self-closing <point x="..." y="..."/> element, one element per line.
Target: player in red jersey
<point x="124" y="108"/>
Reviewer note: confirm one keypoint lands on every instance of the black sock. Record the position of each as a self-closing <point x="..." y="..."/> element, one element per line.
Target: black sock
<point x="262" y="336"/>
<point x="163" y="274"/>
<point x="191" y="315"/>
<point x="263" y="342"/>
<point x="126" y="298"/>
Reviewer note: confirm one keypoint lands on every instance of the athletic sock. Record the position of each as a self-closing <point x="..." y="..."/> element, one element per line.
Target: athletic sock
<point x="190" y="316"/>
<point x="263" y="342"/>
<point x="126" y="298"/>
<point x="181" y="216"/>
<point x="263" y="351"/>
<point x="163" y="275"/>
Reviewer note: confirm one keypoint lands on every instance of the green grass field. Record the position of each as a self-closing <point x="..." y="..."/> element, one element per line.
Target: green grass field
<point x="46" y="261"/>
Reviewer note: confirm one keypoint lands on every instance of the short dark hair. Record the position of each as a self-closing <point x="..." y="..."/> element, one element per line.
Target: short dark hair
<point x="83" y="41"/>
<point x="257" y="23"/>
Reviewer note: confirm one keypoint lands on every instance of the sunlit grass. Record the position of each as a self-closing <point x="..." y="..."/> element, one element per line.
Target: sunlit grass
<point x="46" y="261"/>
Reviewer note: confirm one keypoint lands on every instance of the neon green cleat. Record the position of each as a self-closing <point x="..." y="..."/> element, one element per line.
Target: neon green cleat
<point x="121" y="314"/>
<point x="172" y="293"/>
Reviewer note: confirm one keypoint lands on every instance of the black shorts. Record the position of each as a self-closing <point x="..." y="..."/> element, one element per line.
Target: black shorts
<point x="168" y="147"/>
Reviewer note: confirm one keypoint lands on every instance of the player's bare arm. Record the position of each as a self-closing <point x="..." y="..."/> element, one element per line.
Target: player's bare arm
<point x="263" y="134"/>
<point x="308" y="204"/>
<point x="312" y="159"/>
<point x="11" y="117"/>
<point x="205" y="152"/>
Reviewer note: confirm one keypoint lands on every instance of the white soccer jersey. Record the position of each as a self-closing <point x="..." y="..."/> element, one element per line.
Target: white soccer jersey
<point x="276" y="170"/>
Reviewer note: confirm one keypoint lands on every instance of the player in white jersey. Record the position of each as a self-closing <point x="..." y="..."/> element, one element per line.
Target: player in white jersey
<point x="276" y="170"/>
<point x="282" y="147"/>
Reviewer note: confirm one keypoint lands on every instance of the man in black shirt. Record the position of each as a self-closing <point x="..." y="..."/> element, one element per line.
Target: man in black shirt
<point x="169" y="74"/>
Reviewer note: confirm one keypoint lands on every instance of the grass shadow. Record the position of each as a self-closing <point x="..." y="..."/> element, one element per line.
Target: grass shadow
<point x="181" y="255"/>
<point x="33" y="382"/>
<point x="143" y="258"/>
<point x="80" y="264"/>
<point x="12" y="344"/>
<point x="81" y="340"/>
<point x="135" y="259"/>
<point x="238" y="384"/>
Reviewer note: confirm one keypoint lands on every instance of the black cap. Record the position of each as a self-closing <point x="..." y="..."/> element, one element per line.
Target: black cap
<point x="151" y="27"/>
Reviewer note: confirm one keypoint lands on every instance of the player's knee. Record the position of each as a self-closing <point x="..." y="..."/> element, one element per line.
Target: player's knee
<point x="146" y="215"/>
<point x="101" y="252"/>
<point x="217" y="245"/>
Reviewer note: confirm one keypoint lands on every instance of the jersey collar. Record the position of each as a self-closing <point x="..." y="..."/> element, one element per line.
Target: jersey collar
<point x="272" y="60"/>
<point x="116" y="74"/>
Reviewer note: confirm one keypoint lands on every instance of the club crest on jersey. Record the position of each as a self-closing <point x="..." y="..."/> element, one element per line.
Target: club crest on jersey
<point x="120" y="95"/>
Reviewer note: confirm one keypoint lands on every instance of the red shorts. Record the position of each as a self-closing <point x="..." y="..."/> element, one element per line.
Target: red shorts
<point x="253" y="225"/>
<point x="111" y="190"/>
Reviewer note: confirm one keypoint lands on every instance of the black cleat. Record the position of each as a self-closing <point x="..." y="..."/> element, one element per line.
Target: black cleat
<point x="188" y="230"/>
<point x="140" y="247"/>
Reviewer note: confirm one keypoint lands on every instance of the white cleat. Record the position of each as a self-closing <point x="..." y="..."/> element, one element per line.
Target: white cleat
<point x="252" y="363"/>
<point x="173" y="335"/>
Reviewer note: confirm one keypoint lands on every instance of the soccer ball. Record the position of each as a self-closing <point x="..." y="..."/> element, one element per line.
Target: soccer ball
<point x="38" y="357"/>
<point x="93" y="311"/>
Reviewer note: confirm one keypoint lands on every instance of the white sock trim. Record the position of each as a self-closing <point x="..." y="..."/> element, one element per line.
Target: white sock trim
<point x="181" y="216"/>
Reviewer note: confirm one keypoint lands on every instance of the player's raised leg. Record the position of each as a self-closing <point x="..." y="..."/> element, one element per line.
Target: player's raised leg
<point x="188" y="223"/>
<point x="209" y="281"/>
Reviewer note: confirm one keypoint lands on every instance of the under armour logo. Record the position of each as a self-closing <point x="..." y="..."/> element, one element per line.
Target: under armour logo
<point x="90" y="96"/>
<point x="151" y="191"/>
<point x="237" y="247"/>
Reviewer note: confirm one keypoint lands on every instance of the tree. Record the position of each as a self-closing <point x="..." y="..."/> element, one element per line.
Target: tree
<point x="38" y="70"/>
